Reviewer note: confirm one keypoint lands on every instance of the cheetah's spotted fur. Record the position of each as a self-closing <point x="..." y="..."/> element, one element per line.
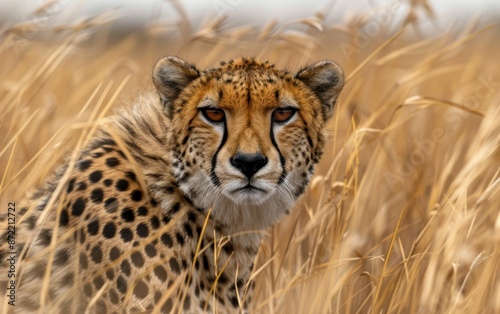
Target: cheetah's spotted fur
<point x="164" y="208"/>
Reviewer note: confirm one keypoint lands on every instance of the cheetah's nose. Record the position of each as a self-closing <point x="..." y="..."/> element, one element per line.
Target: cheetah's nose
<point x="248" y="164"/>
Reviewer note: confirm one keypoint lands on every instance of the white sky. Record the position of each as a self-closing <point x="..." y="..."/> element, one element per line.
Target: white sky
<point x="244" y="11"/>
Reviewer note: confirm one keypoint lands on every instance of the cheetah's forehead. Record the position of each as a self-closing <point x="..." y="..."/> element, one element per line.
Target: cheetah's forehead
<point x="245" y="63"/>
<point x="250" y="69"/>
<point x="246" y="83"/>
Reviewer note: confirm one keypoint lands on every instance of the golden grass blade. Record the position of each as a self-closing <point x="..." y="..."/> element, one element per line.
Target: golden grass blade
<point x="406" y="50"/>
<point x="427" y="101"/>
<point x="376" y="302"/>
<point x="373" y="55"/>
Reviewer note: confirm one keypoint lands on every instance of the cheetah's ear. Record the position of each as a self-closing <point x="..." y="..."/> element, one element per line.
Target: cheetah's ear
<point x="325" y="79"/>
<point x="170" y="76"/>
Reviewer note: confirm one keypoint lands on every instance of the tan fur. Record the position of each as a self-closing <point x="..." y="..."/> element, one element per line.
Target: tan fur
<point x="149" y="216"/>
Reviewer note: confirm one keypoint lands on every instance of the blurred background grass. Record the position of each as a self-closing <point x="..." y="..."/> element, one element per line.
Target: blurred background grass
<point x="403" y="213"/>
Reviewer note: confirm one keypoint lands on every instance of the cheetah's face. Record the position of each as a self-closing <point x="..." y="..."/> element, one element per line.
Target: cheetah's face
<point x="246" y="134"/>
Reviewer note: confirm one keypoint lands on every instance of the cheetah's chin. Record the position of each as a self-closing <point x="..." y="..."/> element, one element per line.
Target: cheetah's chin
<point x="248" y="194"/>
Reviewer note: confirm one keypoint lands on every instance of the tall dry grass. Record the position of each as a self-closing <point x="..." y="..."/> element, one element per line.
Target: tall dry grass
<point x="403" y="213"/>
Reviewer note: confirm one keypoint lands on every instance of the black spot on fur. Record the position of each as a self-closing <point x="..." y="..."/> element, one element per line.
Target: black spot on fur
<point x="109" y="230"/>
<point x="125" y="267"/>
<point x="161" y="273"/>
<point x="126" y="235"/>
<point x="114" y="253"/>
<point x="111" y="205"/>
<point x="95" y="176"/>
<point x="67" y="280"/>
<point x="234" y="301"/>
<point x="239" y="283"/>
<point x="98" y="282"/>
<point x="188" y="230"/>
<point x="113" y="297"/>
<point x="142" y="211"/>
<point x="87" y="289"/>
<point x="97" y="196"/>
<point x="180" y="238"/>
<point x="83" y="261"/>
<point x="84" y="164"/>
<point x="167" y="306"/>
<point x="121" y="284"/>
<point x="175" y="208"/>
<point x="62" y="257"/>
<point x="31" y="221"/>
<point x="174" y="265"/>
<point x="96" y="254"/>
<point x="71" y="186"/>
<point x="93" y="227"/>
<point x="167" y="240"/>
<point x="169" y="189"/>
<point x="142" y="230"/>
<point x="141" y="290"/>
<point x="137" y="259"/>
<point x="223" y="279"/>
<point x="82" y="186"/>
<point x="206" y="266"/>
<point x="136" y="195"/>
<point x="187" y="303"/>
<point x="309" y="140"/>
<point x="220" y="299"/>
<point x="150" y="250"/>
<point x="78" y="207"/>
<point x="64" y="218"/>
<point x="192" y="216"/>
<point x="131" y="175"/>
<point x="166" y="219"/>
<point x="155" y="222"/>
<point x="96" y="154"/>
<point x="228" y="248"/>
<point x="122" y="185"/>
<point x="128" y="215"/>
<point x="112" y="162"/>
<point x="154" y="202"/>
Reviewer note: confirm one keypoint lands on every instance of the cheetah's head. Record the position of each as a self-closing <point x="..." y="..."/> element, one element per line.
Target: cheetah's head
<point x="245" y="136"/>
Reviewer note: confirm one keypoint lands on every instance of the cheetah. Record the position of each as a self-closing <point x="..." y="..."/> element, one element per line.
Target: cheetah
<point x="165" y="207"/>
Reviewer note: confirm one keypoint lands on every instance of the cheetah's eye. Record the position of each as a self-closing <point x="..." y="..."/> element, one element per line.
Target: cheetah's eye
<point x="283" y="114"/>
<point x="213" y="115"/>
